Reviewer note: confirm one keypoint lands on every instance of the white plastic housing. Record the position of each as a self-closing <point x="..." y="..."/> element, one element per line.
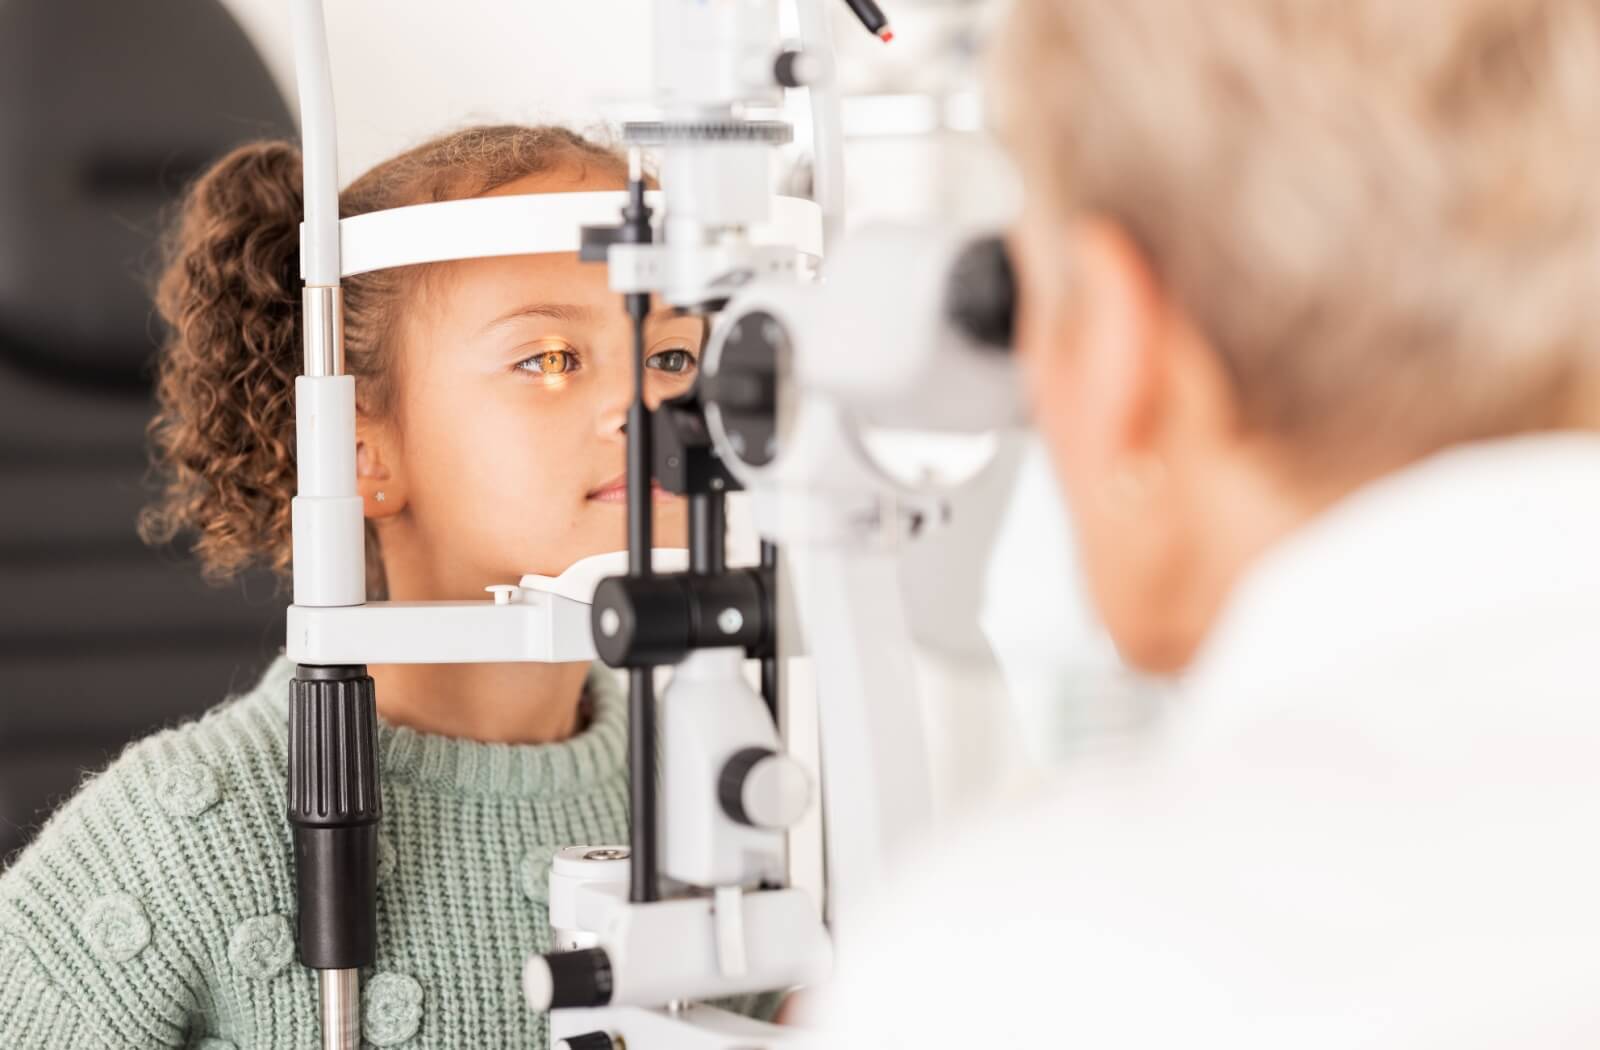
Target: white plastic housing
<point x="326" y="517"/>
<point x="544" y="619"/>
<point x="693" y="1027"/>
<point x="874" y="336"/>
<point x="716" y="184"/>
<point x="571" y="868"/>
<point x="539" y="628"/>
<point x="678" y="949"/>
<point x="709" y="713"/>
<point x="715" y="54"/>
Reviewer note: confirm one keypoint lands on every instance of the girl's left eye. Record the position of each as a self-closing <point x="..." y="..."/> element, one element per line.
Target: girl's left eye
<point x="550" y="363"/>
<point x="673" y="361"/>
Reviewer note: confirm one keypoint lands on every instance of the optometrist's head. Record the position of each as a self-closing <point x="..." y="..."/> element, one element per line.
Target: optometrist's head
<point x="1274" y="249"/>
<point x="491" y="392"/>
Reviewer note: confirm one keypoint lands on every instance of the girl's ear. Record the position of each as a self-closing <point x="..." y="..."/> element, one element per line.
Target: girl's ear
<point x="378" y="477"/>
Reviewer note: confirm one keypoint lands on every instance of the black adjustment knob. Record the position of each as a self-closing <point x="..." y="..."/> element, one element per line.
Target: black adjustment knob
<point x="646" y="621"/>
<point x="335" y="807"/>
<point x="640" y="621"/>
<point x="588" y="1041"/>
<point x="580" y="978"/>
<point x="981" y="299"/>
<point x="793" y="69"/>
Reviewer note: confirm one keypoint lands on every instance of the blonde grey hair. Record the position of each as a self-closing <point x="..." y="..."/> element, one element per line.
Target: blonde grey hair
<point x="1384" y="214"/>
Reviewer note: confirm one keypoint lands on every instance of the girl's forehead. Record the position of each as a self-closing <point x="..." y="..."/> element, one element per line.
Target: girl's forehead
<point x="481" y="292"/>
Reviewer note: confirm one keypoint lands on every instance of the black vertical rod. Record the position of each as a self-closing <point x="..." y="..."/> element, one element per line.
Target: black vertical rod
<point x="708" y="533"/>
<point x="643" y="883"/>
<point x="769" y="663"/>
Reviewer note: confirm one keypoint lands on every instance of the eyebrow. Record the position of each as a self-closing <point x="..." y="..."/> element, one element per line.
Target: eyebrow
<point x="567" y="312"/>
<point x="552" y="311"/>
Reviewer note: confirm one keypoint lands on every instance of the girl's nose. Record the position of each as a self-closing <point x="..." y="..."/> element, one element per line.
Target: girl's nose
<point x="617" y="396"/>
<point x="612" y="421"/>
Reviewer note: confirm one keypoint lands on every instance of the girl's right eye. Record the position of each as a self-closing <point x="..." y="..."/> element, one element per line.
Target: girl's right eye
<point x="550" y="363"/>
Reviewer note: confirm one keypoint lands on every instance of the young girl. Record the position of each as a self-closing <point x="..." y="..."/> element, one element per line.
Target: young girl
<point x="156" y="909"/>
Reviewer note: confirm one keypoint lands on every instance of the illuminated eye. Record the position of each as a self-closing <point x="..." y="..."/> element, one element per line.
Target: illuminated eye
<point x="550" y="363"/>
<point x="673" y="361"/>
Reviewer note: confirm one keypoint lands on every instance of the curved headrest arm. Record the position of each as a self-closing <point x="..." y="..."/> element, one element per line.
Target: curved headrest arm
<point x="521" y="224"/>
<point x="319" y="145"/>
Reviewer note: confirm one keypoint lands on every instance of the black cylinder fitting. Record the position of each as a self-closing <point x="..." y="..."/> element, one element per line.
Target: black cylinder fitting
<point x="653" y="620"/>
<point x="580" y="978"/>
<point x="335" y="807"/>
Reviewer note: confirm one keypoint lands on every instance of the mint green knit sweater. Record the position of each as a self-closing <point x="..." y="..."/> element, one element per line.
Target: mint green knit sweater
<point x="156" y="909"/>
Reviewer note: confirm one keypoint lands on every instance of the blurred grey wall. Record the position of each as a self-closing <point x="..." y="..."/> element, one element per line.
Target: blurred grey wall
<point x="107" y="109"/>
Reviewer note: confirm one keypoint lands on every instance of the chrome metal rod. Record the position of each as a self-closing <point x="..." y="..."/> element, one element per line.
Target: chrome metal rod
<point x="323" y="317"/>
<point x="341" y="1009"/>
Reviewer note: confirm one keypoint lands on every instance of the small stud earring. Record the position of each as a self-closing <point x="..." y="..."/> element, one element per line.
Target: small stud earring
<point x="380" y="495"/>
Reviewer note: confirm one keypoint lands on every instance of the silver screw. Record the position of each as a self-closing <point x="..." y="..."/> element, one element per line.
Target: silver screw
<point x="730" y="620"/>
<point x="610" y="623"/>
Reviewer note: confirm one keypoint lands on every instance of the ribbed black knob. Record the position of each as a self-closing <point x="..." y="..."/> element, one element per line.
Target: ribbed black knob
<point x="335" y="806"/>
<point x="580" y="978"/>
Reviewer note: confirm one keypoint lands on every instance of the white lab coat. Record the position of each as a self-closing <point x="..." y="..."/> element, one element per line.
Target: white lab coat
<point x="1373" y="821"/>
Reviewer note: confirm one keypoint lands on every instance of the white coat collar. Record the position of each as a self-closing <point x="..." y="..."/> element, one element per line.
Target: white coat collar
<point x="1475" y="538"/>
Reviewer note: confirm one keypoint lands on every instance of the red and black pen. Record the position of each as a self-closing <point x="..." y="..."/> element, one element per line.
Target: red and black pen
<point x="873" y="18"/>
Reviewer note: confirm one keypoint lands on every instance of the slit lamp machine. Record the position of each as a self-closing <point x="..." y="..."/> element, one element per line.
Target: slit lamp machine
<point x="808" y="350"/>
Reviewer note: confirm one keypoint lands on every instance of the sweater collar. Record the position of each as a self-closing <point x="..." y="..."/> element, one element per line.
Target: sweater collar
<point x="596" y="754"/>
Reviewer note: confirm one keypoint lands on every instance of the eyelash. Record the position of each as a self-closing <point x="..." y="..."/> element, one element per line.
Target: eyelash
<point x="691" y="362"/>
<point x="572" y="363"/>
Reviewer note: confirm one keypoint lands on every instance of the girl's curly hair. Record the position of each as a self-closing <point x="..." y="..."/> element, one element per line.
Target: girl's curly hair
<point x="223" y="437"/>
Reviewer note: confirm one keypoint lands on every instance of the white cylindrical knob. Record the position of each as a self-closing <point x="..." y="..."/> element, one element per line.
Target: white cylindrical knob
<point x="765" y="789"/>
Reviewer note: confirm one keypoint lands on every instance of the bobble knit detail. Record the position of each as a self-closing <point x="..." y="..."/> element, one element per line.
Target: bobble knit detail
<point x="115" y="927"/>
<point x="391" y="1009"/>
<point x="188" y="789"/>
<point x="261" y="947"/>
<point x="535" y="873"/>
<point x="155" y="910"/>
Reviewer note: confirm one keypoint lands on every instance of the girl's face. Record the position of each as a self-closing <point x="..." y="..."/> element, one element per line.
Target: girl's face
<point x="507" y="436"/>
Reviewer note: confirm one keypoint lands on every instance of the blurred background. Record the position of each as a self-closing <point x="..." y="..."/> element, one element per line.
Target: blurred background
<point x="108" y="108"/>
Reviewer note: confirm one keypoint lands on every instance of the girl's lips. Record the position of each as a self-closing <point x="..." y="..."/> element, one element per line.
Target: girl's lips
<point x="617" y="492"/>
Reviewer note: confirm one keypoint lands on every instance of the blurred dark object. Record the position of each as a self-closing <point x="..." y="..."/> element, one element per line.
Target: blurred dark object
<point x="107" y="109"/>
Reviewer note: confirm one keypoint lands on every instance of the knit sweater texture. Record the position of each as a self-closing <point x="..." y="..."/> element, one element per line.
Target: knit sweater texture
<point x="157" y="907"/>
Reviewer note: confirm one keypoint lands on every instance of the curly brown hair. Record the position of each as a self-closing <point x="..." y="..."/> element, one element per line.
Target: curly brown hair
<point x="222" y="440"/>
